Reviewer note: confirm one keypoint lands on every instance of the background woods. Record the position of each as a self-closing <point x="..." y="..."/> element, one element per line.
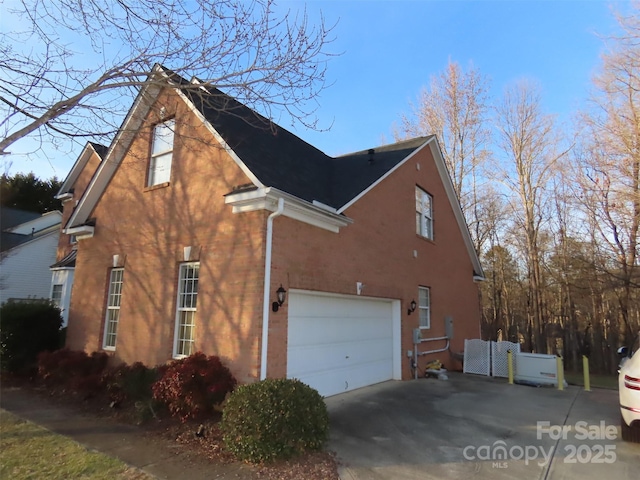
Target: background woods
<point x="554" y="211"/>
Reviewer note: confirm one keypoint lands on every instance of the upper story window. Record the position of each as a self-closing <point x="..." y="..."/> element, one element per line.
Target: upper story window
<point x="161" y="153"/>
<point x="424" y="214"/>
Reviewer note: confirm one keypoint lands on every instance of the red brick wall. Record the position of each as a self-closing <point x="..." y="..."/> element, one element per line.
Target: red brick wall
<point x="148" y="228"/>
<point x="68" y="206"/>
<point x="378" y="250"/>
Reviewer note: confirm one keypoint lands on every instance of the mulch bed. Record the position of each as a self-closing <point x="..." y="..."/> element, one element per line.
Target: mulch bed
<point x="206" y="447"/>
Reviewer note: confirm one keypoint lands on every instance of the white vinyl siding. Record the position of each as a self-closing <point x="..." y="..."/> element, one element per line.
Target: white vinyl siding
<point x="113" y="308"/>
<point x="161" y="153"/>
<point x="64" y="278"/>
<point x="186" y="310"/>
<point x="24" y="273"/>
<point x="424" y="307"/>
<point x="424" y="214"/>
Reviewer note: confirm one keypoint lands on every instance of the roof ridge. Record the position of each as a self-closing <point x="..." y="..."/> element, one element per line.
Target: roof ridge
<point x="388" y="146"/>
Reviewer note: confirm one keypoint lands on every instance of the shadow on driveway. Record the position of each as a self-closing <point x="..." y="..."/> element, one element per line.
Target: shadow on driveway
<point x="479" y="427"/>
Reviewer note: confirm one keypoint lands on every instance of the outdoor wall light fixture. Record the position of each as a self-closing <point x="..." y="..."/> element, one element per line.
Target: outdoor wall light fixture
<point x="412" y="307"/>
<point x="282" y="293"/>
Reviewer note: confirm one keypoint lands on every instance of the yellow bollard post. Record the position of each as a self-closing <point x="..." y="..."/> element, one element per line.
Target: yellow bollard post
<point x="560" y="373"/>
<point x="510" y="366"/>
<point x="585" y="369"/>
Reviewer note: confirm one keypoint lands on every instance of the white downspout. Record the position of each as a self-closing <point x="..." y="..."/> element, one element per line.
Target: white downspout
<point x="267" y="288"/>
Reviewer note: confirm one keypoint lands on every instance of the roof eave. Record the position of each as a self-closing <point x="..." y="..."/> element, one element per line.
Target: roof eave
<point x="294" y="207"/>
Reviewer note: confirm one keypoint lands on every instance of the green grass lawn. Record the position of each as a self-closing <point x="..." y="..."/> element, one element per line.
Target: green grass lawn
<point x="28" y="451"/>
<point x="597" y="381"/>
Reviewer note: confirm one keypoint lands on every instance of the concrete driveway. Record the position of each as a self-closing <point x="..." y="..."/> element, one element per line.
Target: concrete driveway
<point x="479" y="427"/>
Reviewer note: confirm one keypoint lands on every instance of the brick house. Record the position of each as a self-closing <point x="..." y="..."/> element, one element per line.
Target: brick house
<point x="71" y="190"/>
<point x="202" y="211"/>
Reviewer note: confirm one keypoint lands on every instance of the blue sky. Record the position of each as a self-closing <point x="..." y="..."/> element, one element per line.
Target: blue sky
<point x="390" y="49"/>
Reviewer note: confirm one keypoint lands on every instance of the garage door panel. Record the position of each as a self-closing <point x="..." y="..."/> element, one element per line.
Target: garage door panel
<point x="344" y="379"/>
<point x="341" y="355"/>
<point x="328" y="330"/>
<point x="338" y="343"/>
<point x="303" y="305"/>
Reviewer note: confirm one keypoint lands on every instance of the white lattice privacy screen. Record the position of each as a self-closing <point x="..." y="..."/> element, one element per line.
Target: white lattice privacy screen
<point x="488" y="358"/>
<point x="477" y="357"/>
<point x="499" y="363"/>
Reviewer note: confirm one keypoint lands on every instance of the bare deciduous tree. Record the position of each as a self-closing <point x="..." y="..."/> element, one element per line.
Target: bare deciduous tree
<point x="609" y="168"/>
<point x="454" y="109"/>
<point x="530" y="143"/>
<point x="65" y="66"/>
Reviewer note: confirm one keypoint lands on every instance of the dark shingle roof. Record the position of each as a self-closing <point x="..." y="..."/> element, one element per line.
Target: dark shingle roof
<point x="11" y="217"/>
<point x="100" y="149"/>
<point x="280" y="159"/>
<point x="68" y="261"/>
<point x="355" y="172"/>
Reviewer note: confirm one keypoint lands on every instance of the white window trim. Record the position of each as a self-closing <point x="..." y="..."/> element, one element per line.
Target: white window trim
<point x="53" y="288"/>
<point x="425" y="215"/>
<point x="176" y="336"/>
<point x="422" y="308"/>
<point x="152" y="170"/>
<point x="111" y="308"/>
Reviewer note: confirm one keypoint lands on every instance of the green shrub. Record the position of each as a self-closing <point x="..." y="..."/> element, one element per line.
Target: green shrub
<point x="26" y="329"/>
<point x="191" y="387"/>
<point x="133" y="384"/>
<point x="274" y="419"/>
<point x="130" y="382"/>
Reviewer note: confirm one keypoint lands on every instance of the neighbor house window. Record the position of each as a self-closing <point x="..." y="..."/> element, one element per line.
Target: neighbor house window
<point x="424" y="214"/>
<point x="113" y="308"/>
<point x="161" y="153"/>
<point x="424" y="307"/>
<point x="56" y="295"/>
<point x="186" y="311"/>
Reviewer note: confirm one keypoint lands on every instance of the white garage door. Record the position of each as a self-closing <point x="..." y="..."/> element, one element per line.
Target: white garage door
<point x="339" y="343"/>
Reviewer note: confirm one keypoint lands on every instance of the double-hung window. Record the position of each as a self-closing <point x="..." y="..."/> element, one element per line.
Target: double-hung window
<point x="424" y="214"/>
<point x="113" y="308"/>
<point x="161" y="153"/>
<point x="186" y="310"/>
<point x="424" y="307"/>
<point x="56" y="294"/>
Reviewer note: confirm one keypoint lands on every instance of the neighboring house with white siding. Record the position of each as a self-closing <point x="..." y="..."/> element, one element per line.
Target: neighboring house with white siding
<point x="28" y="248"/>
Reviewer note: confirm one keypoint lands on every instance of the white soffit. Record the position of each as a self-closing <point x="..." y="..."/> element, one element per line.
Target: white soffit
<point x="294" y="207"/>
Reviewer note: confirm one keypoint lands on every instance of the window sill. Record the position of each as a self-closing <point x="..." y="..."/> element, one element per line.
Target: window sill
<point x="426" y="239"/>
<point x="156" y="187"/>
<point x="109" y="349"/>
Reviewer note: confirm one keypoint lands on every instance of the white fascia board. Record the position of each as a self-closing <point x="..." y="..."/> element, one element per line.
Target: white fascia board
<point x="74" y="173"/>
<point x="82" y="231"/>
<point x="294" y="207"/>
<point x="455" y="205"/>
<point x="221" y="140"/>
<point x="116" y="152"/>
<point x="377" y="182"/>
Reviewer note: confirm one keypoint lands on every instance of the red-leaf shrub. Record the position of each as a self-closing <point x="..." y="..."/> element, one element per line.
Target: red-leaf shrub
<point x="73" y="369"/>
<point x="192" y="386"/>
